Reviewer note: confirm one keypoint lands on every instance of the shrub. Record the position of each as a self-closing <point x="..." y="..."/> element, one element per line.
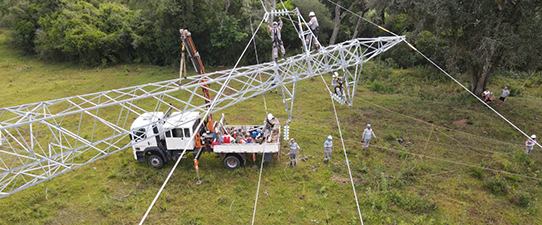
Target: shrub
<point x="516" y="92"/>
<point x="521" y="200"/>
<point x="496" y="186"/>
<point x="413" y="202"/>
<point x="378" y="87"/>
<point x="523" y="159"/>
<point x="477" y="173"/>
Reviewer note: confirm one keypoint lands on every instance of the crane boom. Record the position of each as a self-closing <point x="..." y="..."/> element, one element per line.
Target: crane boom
<point x="194" y="56"/>
<point x="42" y="140"/>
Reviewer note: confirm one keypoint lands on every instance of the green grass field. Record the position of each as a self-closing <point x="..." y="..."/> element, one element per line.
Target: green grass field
<point x="464" y="165"/>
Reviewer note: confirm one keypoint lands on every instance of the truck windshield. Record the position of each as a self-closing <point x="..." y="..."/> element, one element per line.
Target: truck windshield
<point x="139" y="134"/>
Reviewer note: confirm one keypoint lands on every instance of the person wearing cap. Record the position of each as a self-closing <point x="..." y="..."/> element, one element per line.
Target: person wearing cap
<point x="315" y="29"/>
<point x="486" y="96"/>
<point x="273" y="84"/>
<point x="335" y="82"/>
<point x="294" y="147"/>
<point x="328" y="147"/>
<point x="268" y="125"/>
<point x="340" y="87"/>
<point x="276" y="38"/>
<point x="366" y="137"/>
<point x="529" y="144"/>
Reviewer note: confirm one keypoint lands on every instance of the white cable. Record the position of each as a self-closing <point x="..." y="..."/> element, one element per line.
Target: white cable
<point x="442" y="70"/>
<point x="226" y="82"/>
<point x="344" y="149"/>
<point x="432" y="157"/>
<point x="257" y="61"/>
<point x="263" y="5"/>
<point x="258" y="190"/>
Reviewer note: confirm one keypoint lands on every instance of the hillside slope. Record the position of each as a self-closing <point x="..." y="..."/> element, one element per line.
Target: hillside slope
<point x="464" y="164"/>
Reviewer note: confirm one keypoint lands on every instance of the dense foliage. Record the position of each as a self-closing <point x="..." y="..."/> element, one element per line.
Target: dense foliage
<point x="477" y="38"/>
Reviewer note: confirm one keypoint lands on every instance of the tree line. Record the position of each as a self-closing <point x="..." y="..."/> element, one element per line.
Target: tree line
<point x="475" y="38"/>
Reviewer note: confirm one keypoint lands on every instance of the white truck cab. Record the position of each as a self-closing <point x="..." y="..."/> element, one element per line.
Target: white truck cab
<point x="151" y="135"/>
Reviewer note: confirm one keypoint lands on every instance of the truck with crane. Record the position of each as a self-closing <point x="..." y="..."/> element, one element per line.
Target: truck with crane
<point x="158" y="137"/>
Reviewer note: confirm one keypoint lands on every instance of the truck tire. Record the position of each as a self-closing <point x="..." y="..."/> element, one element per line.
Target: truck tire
<point x="232" y="162"/>
<point x="155" y="161"/>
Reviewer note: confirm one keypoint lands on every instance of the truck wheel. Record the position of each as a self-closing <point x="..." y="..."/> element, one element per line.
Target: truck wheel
<point x="155" y="161"/>
<point x="232" y="162"/>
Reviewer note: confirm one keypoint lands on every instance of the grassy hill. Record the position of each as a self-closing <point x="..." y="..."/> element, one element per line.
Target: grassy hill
<point x="464" y="165"/>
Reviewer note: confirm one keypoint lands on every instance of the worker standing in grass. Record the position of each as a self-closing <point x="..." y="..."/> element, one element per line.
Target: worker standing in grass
<point x="529" y="144"/>
<point x="294" y="147"/>
<point x="505" y="93"/>
<point x="328" y="147"/>
<point x="366" y="137"/>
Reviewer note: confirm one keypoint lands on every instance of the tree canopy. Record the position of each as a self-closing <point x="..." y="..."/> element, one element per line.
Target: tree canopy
<point x="477" y="38"/>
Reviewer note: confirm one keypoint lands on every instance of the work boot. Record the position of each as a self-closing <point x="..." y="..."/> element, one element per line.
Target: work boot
<point x="325" y="161"/>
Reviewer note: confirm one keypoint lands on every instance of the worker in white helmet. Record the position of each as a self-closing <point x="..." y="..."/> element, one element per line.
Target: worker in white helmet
<point x="529" y="144"/>
<point x="276" y="38"/>
<point x="328" y="147"/>
<point x="366" y="137"/>
<point x="269" y="124"/>
<point x="335" y="82"/>
<point x="315" y="29"/>
<point x="294" y="147"/>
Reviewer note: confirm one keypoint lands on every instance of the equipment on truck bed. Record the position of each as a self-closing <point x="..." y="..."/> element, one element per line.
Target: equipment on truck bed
<point x="156" y="139"/>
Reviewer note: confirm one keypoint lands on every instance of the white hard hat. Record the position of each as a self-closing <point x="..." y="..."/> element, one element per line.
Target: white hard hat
<point x="533" y="136"/>
<point x="312" y="14"/>
<point x="329" y="137"/>
<point x="335" y="74"/>
<point x="275" y="23"/>
<point x="292" y="139"/>
<point x="269" y="116"/>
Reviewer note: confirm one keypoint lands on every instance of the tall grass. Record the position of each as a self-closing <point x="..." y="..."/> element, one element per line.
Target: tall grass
<point x="392" y="187"/>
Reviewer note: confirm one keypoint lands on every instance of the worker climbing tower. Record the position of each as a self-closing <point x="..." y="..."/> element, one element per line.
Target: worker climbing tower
<point x="39" y="141"/>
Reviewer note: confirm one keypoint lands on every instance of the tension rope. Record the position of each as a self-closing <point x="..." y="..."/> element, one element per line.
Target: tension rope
<point x="225" y="84"/>
<point x="344" y="148"/>
<point x="439" y="68"/>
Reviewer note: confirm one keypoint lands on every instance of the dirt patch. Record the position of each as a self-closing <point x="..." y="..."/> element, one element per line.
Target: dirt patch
<point x="461" y="123"/>
<point x="345" y="180"/>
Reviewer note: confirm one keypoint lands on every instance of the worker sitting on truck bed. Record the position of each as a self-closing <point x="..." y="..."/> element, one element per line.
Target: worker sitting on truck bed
<point x="268" y="126"/>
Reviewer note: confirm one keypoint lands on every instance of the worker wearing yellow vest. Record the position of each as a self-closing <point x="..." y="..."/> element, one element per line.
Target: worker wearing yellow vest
<point x="366" y="137"/>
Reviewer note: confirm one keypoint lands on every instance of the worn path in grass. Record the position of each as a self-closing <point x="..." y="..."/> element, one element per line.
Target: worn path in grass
<point x="393" y="185"/>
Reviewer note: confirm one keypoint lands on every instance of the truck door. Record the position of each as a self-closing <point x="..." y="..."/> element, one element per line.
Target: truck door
<point x="175" y="139"/>
<point x="186" y="140"/>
